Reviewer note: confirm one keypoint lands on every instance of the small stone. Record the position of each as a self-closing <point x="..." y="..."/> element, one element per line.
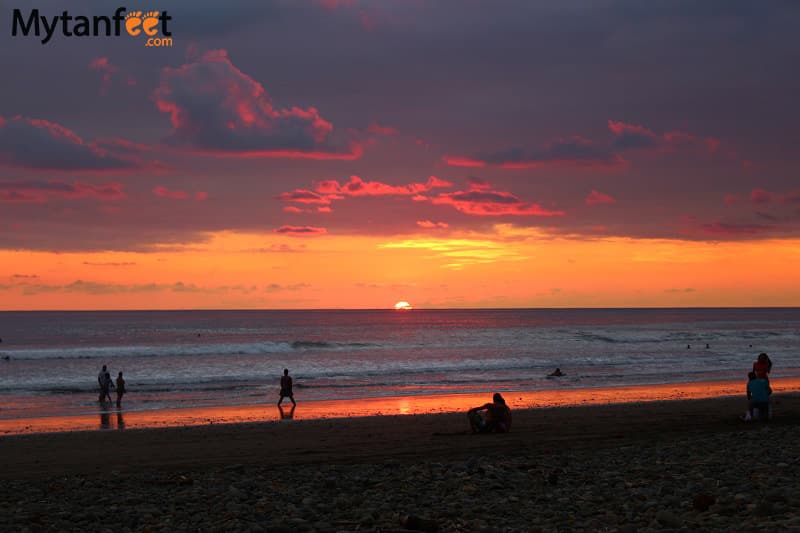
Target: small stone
<point x="702" y="502"/>
<point x="668" y="519"/>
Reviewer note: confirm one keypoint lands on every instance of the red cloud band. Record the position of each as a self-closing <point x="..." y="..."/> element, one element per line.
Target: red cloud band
<point x="301" y="230"/>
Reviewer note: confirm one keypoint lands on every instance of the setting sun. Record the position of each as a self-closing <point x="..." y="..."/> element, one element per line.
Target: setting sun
<point x="403" y="306"/>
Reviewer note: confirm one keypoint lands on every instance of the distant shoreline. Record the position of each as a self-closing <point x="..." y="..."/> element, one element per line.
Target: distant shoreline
<point x="111" y="419"/>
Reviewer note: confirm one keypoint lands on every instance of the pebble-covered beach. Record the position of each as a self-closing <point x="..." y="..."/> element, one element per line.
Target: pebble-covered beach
<point x="744" y="478"/>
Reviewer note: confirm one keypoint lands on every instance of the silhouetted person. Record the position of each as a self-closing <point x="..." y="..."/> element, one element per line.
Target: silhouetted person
<point x="286" y="387"/>
<point x="708" y="346"/>
<point x="491" y="417"/>
<point x="758" y="392"/>
<point x="762" y="366"/>
<point x="107" y="386"/>
<point x="286" y="415"/>
<point x="101" y="379"/>
<point x="120" y="389"/>
<point x="557" y="373"/>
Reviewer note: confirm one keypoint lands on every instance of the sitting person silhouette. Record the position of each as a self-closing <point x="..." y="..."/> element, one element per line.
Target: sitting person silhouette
<point x="557" y="373"/>
<point x="492" y="417"/>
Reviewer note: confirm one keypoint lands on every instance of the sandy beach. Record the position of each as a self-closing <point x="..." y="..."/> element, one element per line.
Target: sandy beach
<point x="662" y="465"/>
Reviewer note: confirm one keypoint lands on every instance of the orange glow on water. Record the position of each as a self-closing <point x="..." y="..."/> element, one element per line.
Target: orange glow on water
<point x="395" y="405"/>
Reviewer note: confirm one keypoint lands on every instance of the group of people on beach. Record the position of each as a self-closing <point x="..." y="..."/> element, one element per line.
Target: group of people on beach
<point x="106" y="384"/>
<point x="759" y="390"/>
<point x="495" y="416"/>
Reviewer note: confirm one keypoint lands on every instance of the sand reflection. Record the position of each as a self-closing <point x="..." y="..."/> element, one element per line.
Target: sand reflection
<point x="395" y="405"/>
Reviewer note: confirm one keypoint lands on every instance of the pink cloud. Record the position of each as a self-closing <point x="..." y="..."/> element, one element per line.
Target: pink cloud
<point x="760" y="197"/>
<point x="303" y="196"/>
<point x="478" y="183"/>
<point x="301" y="230"/>
<point x="327" y="191"/>
<point x="732" y="199"/>
<point x="595" y="198"/>
<point x="456" y="161"/>
<point x="217" y="109"/>
<point x="110" y="72"/>
<point x="631" y="137"/>
<point x="358" y="187"/>
<point x="35" y="191"/>
<point x="167" y="193"/>
<point x="44" y="145"/>
<point x="377" y="129"/>
<point x="201" y="196"/>
<point x="483" y="201"/>
<point x="427" y="224"/>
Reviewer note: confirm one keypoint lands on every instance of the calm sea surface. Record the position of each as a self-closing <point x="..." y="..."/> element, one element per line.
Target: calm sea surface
<point x="49" y="360"/>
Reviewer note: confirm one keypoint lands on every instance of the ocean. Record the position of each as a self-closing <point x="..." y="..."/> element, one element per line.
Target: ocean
<point x="174" y="359"/>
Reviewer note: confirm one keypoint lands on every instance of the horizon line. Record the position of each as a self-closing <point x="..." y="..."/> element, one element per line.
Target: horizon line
<point x="139" y="310"/>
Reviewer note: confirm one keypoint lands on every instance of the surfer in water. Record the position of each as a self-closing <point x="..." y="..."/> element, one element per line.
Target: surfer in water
<point x="557" y="373"/>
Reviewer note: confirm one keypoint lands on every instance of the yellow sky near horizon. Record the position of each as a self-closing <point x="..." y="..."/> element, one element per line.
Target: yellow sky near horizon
<point x="507" y="267"/>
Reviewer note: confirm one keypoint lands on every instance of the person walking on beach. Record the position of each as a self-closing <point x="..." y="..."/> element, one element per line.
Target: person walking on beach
<point x="120" y="389"/>
<point x="491" y="417"/>
<point x="107" y="386"/>
<point x="286" y="387"/>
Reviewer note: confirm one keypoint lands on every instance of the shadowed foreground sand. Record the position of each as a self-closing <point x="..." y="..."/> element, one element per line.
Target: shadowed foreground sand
<point x="366" y="439"/>
<point x="681" y="464"/>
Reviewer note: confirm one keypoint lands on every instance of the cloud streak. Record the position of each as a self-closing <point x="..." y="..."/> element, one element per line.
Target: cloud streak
<point x="44" y="145"/>
<point x="481" y="200"/>
<point x="37" y="191"/>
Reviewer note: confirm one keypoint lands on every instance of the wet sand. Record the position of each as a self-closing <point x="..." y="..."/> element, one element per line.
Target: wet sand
<point x="111" y="418"/>
<point x="339" y="431"/>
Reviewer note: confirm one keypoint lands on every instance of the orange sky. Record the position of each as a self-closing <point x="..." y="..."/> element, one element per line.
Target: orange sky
<point x="506" y="267"/>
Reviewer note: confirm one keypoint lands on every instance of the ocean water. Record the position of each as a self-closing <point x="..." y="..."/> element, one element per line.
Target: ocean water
<point x="49" y="360"/>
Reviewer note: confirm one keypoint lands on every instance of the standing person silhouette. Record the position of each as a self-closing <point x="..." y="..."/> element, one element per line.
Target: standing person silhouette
<point x="286" y="387"/>
<point x="101" y="379"/>
<point x="107" y="386"/>
<point x="120" y="389"/>
<point x="762" y="366"/>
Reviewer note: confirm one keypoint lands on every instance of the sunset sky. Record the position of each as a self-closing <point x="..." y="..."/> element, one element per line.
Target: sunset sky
<point x="449" y="153"/>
